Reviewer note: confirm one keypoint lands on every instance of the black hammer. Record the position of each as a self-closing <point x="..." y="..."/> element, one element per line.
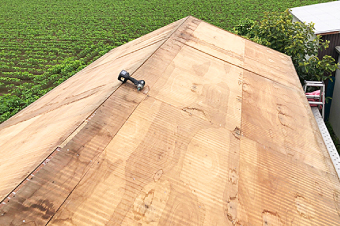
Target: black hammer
<point x="124" y="76"/>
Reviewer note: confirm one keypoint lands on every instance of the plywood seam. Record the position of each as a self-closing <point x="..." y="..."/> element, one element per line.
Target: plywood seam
<point x="238" y="66"/>
<point x="166" y="39"/>
<point x="257" y="142"/>
<point x="192" y="115"/>
<point x="67" y="80"/>
<point x="84" y="122"/>
<point x="36" y="169"/>
<point x="81" y="178"/>
<point x="283" y="54"/>
<point x="93" y="162"/>
<point x="153" y="43"/>
<point x="57" y="105"/>
<point x="163" y="39"/>
<point x="90" y="68"/>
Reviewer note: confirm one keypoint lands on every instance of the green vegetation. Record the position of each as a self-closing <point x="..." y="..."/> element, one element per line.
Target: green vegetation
<point x="45" y="42"/>
<point x="277" y="31"/>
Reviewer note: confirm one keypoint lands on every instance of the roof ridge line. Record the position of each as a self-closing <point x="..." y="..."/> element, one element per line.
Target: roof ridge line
<point x="82" y="123"/>
<point x="164" y="41"/>
<point x="89" y="116"/>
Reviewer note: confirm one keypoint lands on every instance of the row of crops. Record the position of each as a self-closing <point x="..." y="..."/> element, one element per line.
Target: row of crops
<point x="44" y="42"/>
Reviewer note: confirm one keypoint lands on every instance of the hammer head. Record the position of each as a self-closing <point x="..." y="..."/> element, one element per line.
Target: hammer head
<point x="123" y="76"/>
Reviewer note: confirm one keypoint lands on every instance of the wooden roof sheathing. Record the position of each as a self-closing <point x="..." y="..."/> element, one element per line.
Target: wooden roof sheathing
<point x="221" y="135"/>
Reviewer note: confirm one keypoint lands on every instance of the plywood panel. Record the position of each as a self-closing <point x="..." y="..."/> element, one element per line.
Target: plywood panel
<point x="53" y="183"/>
<point x="243" y="53"/>
<point x="85" y="83"/>
<point x="203" y="86"/>
<point x="271" y="64"/>
<point x="162" y="59"/>
<point x="222" y="134"/>
<point x="153" y="38"/>
<point x="275" y="189"/>
<point x="163" y="167"/>
<point x="150" y="41"/>
<point x="218" y="43"/>
<point x="38" y="198"/>
<point x="277" y="116"/>
<point x="51" y="119"/>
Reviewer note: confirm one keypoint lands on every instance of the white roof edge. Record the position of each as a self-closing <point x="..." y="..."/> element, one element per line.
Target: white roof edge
<point x="337" y="48"/>
<point x="325" y="16"/>
<point x="333" y="153"/>
<point x="327" y="31"/>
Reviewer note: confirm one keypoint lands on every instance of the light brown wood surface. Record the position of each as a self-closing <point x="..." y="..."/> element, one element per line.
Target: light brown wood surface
<point x="221" y="135"/>
<point x="31" y="135"/>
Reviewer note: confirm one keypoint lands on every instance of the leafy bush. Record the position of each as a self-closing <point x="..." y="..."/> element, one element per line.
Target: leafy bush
<point x="277" y="31"/>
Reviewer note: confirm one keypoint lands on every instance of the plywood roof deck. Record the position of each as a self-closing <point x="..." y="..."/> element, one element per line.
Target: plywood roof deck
<point x="221" y="135"/>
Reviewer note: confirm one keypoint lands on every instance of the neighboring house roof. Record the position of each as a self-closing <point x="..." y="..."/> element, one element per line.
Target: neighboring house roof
<point x="325" y="16"/>
<point x="221" y="134"/>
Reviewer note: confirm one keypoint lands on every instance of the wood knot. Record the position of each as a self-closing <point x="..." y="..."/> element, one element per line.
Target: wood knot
<point x="158" y="175"/>
<point x="303" y="207"/>
<point x="237" y="132"/>
<point x="271" y="218"/>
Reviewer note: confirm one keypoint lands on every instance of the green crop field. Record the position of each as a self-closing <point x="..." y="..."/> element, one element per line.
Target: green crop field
<point x="44" y="42"/>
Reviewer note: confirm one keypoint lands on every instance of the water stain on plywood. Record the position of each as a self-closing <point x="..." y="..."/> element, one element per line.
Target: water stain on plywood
<point x="201" y="69"/>
<point x="46" y="207"/>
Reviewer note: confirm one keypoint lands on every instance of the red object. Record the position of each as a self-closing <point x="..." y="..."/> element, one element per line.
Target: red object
<point x="317" y="92"/>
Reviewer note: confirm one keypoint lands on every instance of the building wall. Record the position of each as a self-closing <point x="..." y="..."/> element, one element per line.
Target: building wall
<point x="334" y="116"/>
<point x="334" y="40"/>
